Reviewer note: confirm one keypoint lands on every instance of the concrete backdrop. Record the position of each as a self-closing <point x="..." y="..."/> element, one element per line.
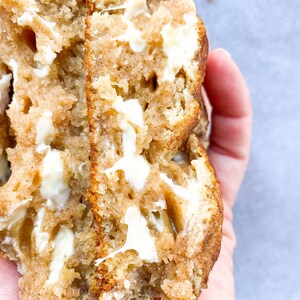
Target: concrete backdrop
<point x="264" y="38"/>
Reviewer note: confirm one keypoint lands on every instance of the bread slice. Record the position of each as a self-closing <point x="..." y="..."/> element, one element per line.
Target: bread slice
<point x="46" y="225"/>
<point x="154" y="194"/>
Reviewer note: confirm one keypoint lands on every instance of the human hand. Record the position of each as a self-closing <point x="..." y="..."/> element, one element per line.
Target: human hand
<point x="8" y="280"/>
<point x="231" y="118"/>
<point x="229" y="151"/>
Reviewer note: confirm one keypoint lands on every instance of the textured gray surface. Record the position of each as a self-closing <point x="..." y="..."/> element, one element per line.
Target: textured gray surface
<point x="263" y="37"/>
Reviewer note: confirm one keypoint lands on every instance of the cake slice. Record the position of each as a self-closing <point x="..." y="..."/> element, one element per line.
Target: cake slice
<point x="46" y="225"/>
<point x="154" y="194"/>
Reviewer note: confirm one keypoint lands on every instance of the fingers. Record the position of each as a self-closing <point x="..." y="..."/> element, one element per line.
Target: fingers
<point x="226" y="86"/>
<point x="231" y="121"/>
<point x="8" y="280"/>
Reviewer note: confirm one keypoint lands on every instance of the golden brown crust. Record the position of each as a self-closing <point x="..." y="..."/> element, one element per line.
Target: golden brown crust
<point x="201" y="56"/>
<point x="211" y="245"/>
<point x="99" y="285"/>
<point x="212" y="242"/>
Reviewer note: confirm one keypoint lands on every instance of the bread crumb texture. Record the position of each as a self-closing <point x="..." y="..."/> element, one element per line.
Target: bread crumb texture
<point x="46" y="225"/>
<point x="150" y="225"/>
<point x="154" y="194"/>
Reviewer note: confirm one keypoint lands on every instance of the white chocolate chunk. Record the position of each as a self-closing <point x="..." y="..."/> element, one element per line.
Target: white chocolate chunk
<point x="127" y="284"/>
<point x="157" y="220"/>
<point x="15" y="216"/>
<point x="112" y="296"/>
<point x="81" y="167"/>
<point x="42" y="72"/>
<point x="41" y="238"/>
<point x="132" y="35"/>
<point x="138" y="238"/>
<point x="63" y="250"/>
<point x="53" y="187"/>
<point x="136" y="169"/>
<point x="45" y="131"/>
<point x="180" y="45"/>
<point x="50" y="26"/>
<point x="131" y="109"/>
<point x="25" y="19"/>
<point x="181" y="158"/>
<point x="156" y="215"/>
<point x="161" y="204"/>
<point x="134" y="8"/>
<point x="48" y="54"/>
<point x="192" y="193"/>
<point x="31" y="18"/>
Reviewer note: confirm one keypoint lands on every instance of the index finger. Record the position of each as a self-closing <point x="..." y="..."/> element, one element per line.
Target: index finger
<point x="231" y="121"/>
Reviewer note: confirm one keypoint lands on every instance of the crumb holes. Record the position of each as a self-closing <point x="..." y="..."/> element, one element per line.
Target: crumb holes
<point x="11" y="136"/>
<point x="131" y="90"/>
<point x="152" y="50"/>
<point x="174" y="229"/>
<point x="36" y="179"/>
<point x="145" y="107"/>
<point x="27" y="105"/>
<point x="29" y="38"/>
<point x="76" y="131"/>
<point x="151" y="83"/>
<point x="54" y="232"/>
<point x="25" y="235"/>
<point x="11" y="90"/>
<point x="119" y="90"/>
<point x="16" y="187"/>
<point x="131" y="195"/>
<point x="183" y="106"/>
<point x="148" y="6"/>
<point x="81" y="282"/>
<point x="119" y="152"/>
<point x="182" y="74"/>
<point x="156" y="215"/>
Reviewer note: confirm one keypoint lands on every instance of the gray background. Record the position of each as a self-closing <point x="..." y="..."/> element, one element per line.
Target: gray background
<point x="264" y="38"/>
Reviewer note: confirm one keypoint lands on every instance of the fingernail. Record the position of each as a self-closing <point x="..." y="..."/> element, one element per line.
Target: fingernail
<point x="223" y="51"/>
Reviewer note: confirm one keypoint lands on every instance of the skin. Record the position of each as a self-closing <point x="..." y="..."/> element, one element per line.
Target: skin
<point x="229" y="104"/>
<point x="231" y="119"/>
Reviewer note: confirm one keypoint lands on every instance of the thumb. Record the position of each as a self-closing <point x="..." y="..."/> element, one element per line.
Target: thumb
<point x="9" y="276"/>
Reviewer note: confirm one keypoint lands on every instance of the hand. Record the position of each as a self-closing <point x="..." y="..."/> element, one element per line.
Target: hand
<point x="231" y="119"/>
<point x="8" y="280"/>
<point x="229" y="152"/>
